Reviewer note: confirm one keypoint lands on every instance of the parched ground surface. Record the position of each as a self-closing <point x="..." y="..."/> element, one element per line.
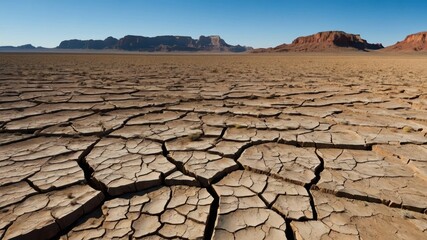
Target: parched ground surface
<point x="213" y="146"/>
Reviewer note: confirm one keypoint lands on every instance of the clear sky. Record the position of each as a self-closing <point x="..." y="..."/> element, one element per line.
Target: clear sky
<point x="254" y="23"/>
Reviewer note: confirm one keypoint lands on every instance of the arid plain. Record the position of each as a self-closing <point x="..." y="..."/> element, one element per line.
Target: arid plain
<point x="243" y="146"/>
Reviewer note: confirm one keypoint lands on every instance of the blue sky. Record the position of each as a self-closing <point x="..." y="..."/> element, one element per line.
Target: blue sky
<point x="254" y="23"/>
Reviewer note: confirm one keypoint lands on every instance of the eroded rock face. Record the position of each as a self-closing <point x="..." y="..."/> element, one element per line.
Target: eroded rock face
<point x="340" y="39"/>
<point x="412" y="43"/>
<point x="327" y="41"/>
<point x="158" y="43"/>
<point x="155" y="147"/>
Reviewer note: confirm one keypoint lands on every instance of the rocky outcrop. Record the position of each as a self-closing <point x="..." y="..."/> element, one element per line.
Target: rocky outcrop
<point x="413" y="43"/>
<point x="326" y="41"/>
<point x="108" y="43"/>
<point x="25" y="47"/>
<point x="160" y="43"/>
<point x="154" y="44"/>
<point x="215" y="43"/>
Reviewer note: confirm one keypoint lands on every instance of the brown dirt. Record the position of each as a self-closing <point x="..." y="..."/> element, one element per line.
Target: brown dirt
<point x="305" y="146"/>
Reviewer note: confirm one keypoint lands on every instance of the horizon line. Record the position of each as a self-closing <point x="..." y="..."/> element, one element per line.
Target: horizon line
<point x="193" y="37"/>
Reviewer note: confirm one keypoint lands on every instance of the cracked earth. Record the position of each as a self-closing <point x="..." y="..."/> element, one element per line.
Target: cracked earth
<point x="213" y="147"/>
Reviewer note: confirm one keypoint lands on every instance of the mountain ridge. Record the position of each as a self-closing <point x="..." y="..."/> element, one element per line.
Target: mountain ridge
<point x="22" y="47"/>
<point x="324" y="42"/>
<point x="416" y="42"/>
<point x="166" y="43"/>
<point x="327" y="41"/>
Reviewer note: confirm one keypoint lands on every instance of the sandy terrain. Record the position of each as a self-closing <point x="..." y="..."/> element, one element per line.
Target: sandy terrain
<point x="213" y="146"/>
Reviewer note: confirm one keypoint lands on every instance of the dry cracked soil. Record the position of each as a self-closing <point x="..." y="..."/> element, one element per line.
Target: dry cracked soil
<point x="114" y="146"/>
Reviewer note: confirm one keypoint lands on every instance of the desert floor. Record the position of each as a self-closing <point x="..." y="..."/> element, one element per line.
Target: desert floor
<point x="213" y="146"/>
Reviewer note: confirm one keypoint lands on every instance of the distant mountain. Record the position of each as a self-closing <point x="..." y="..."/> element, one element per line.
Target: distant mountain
<point x="416" y="42"/>
<point x="153" y="44"/>
<point x="23" y="47"/>
<point x="108" y="43"/>
<point x="325" y="41"/>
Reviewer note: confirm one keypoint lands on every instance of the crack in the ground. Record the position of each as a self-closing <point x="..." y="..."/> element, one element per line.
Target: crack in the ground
<point x="213" y="214"/>
<point x="214" y="207"/>
<point x="88" y="170"/>
<point x="289" y="231"/>
<point x="222" y="133"/>
<point x="179" y="165"/>
<point x="308" y="187"/>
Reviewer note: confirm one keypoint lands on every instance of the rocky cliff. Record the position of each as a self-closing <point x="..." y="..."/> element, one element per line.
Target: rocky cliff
<point x="326" y="41"/>
<point x="152" y="44"/>
<point x="22" y="47"/>
<point x="412" y="43"/>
